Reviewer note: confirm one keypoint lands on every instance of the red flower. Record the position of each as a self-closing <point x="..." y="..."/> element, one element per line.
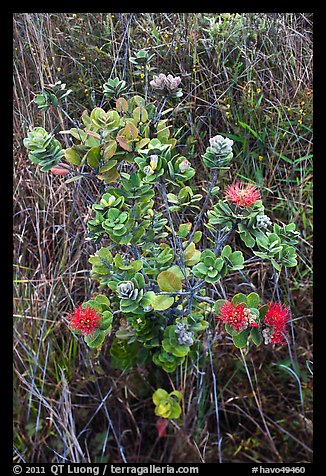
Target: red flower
<point x="277" y="317"/>
<point x="241" y="194"/>
<point x="235" y="315"/>
<point x="254" y="324"/>
<point x="277" y="337"/>
<point x="85" y="320"/>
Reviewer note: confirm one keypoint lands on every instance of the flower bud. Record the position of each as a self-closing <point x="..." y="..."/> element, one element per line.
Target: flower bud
<point x="171" y="83"/>
<point x="266" y="336"/>
<point x="221" y="145"/>
<point x="158" y="82"/>
<point x="184" y="165"/>
<point x="148" y="170"/>
<point x="185" y="337"/>
<point x="127" y="290"/>
<point x="263" y="221"/>
<point x="153" y="161"/>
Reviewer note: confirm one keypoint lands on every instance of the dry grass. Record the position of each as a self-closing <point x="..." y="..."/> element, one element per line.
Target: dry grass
<point x="70" y="405"/>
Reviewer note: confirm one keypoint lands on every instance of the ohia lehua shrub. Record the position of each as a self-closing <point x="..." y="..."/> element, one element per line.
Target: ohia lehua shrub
<point x="162" y="243"/>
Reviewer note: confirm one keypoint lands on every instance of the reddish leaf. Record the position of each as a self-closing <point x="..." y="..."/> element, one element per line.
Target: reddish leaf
<point x="161" y="426"/>
<point x="59" y="170"/>
<point x="124" y="143"/>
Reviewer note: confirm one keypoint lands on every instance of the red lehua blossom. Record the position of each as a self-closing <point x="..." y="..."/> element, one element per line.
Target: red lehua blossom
<point x="85" y="320"/>
<point x="235" y="315"/>
<point x="241" y="194"/>
<point x="254" y="324"/>
<point x="277" y="337"/>
<point x="277" y="315"/>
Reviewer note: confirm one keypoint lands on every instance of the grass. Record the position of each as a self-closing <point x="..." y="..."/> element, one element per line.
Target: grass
<point x="247" y="76"/>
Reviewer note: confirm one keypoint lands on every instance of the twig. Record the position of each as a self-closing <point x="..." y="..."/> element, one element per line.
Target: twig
<point x="202" y="211"/>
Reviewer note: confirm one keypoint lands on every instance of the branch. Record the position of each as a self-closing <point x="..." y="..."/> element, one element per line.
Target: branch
<point x="199" y="217"/>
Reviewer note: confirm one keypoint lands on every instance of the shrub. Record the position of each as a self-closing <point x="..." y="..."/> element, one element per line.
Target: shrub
<point x="157" y="270"/>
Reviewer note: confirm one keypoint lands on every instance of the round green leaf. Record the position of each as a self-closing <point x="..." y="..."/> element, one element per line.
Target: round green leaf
<point x="161" y="303"/>
<point x="253" y="300"/>
<point x="240" y="340"/>
<point x="169" y="281"/>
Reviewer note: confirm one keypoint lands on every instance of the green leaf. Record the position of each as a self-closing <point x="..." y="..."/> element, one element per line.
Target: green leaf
<point x="130" y="131"/>
<point x="230" y="330"/>
<point x="109" y="176"/>
<point x="72" y="156"/>
<point x="239" y="298"/>
<point x="194" y="259"/>
<point x="93" y="157"/>
<point x="105" y="254"/>
<point x="226" y="252"/>
<point x="142" y="143"/>
<point x="163" y="409"/>
<point x="208" y="254"/>
<point x="92" y="303"/>
<point x="77" y="133"/>
<point x="159" y="395"/>
<point x="169" y="281"/>
<point x="253" y="300"/>
<point x="248" y="240"/>
<point x="276" y="265"/>
<point x="140" y="280"/>
<point x="172" y="198"/>
<point x="103" y="300"/>
<point x="140" y="114"/>
<point x="176" y="394"/>
<point x="162" y="302"/>
<point x="189" y="251"/>
<point x="175" y="412"/>
<point x="197" y="236"/>
<point x="127" y="305"/>
<point x="256" y="336"/>
<point x="74" y="179"/>
<point x="96" y="340"/>
<point x="106" y="321"/>
<point x="201" y="268"/>
<point x="176" y="270"/>
<point x="237" y="260"/>
<point x="122" y="105"/>
<point x="184" y="229"/>
<point x="108" y="166"/>
<point x="262" y="312"/>
<point x="240" y="340"/>
<point x="174" y="348"/>
<point x="110" y="150"/>
<point x="147" y="299"/>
